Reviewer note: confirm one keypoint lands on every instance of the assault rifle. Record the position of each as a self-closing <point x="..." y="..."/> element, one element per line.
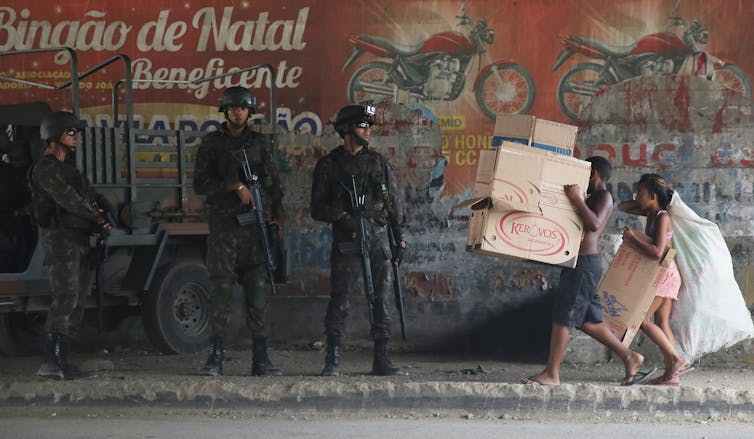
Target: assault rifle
<point x="357" y="208"/>
<point x="396" y="250"/>
<point x="256" y="213"/>
<point x="99" y="256"/>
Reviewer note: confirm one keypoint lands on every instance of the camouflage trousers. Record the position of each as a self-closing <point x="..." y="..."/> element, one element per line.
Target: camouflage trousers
<point x="234" y="254"/>
<point x="67" y="257"/>
<point x="346" y="278"/>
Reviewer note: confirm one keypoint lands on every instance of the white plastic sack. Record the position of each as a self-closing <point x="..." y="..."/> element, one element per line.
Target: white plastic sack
<point x="710" y="313"/>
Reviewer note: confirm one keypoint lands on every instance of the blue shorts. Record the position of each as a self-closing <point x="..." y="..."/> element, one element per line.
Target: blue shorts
<point x="576" y="299"/>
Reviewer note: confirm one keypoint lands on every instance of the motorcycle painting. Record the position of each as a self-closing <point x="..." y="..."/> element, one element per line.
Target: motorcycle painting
<point x="435" y="70"/>
<point x="666" y="52"/>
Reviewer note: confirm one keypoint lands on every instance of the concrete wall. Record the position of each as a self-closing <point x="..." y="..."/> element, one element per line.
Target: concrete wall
<point x="695" y="133"/>
<point x="691" y="130"/>
<point x="453" y="299"/>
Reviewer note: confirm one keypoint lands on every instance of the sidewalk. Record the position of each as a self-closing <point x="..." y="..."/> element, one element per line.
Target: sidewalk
<point x="434" y="384"/>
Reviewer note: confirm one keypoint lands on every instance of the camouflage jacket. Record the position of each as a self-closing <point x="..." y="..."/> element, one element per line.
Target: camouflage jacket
<point x="216" y="166"/>
<point x="374" y="178"/>
<point x="61" y="196"/>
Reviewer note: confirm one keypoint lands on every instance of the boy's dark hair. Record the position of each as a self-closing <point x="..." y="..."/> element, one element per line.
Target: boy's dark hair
<point x="601" y="166"/>
<point x="657" y="185"/>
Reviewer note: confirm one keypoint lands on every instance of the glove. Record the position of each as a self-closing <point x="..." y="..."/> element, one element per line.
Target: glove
<point x="398" y="252"/>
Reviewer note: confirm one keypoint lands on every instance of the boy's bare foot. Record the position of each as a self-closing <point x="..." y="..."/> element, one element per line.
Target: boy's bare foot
<point x="632" y="363"/>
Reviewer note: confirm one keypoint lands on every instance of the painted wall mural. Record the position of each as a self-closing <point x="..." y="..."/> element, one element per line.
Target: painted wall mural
<point x="439" y="69"/>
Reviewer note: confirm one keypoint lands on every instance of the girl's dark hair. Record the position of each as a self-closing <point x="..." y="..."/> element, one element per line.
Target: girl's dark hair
<point x="658" y="186"/>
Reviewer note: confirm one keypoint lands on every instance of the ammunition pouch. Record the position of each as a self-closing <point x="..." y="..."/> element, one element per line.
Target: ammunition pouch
<point x="246" y="218"/>
<point x="348" y="248"/>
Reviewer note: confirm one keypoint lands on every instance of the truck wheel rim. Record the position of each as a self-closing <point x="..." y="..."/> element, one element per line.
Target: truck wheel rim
<point x="190" y="308"/>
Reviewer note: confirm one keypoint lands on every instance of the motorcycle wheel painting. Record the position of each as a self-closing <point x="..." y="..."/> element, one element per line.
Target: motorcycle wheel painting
<point x="507" y="89"/>
<point x="734" y="78"/>
<point x="371" y="82"/>
<point x="577" y="86"/>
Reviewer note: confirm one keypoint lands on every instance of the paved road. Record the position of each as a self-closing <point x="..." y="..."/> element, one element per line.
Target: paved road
<point x="182" y="425"/>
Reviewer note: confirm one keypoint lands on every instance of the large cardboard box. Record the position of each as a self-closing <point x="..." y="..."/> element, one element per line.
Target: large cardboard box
<point x="520" y="209"/>
<point x="532" y="131"/>
<point x="628" y="287"/>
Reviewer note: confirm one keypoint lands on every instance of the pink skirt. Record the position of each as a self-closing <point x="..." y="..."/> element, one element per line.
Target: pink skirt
<point x="671" y="283"/>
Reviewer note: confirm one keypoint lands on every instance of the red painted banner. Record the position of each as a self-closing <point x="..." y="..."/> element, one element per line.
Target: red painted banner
<point x="463" y="61"/>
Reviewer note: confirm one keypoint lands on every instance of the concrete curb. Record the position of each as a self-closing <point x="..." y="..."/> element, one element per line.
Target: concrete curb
<point x="327" y="395"/>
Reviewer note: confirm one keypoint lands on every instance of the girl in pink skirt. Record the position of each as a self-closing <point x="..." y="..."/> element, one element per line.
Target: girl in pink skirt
<point x="653" y="194"/>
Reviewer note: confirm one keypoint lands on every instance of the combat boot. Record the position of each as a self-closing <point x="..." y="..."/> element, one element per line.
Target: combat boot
<point x="260" y="362"/>
<point x="56" y="365"/>
<point x="50" y="367"/>
<point x="332" y="357"/>
<point x="382" y="364"/>
<point x="214" y="365"/>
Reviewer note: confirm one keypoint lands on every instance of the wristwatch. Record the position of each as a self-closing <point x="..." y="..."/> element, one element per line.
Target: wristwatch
<point x="239" y="188"/>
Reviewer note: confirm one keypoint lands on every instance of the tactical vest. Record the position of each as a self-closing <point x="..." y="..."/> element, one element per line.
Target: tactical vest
<point x="371" y="180"/>
<point x="43" y="207"/>
<point x="48" y="213"/>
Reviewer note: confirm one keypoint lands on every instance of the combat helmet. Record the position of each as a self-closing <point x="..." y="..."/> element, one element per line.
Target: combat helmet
<point x="353" y="114"/>
<point x="236" y="96"/>
<point x="54" y="124"/>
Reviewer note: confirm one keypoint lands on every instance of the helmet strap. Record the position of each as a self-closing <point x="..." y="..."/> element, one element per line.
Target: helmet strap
<point x="360" y="140"/>
<point x="67" y="148"/>
<point x="235" y="126"/>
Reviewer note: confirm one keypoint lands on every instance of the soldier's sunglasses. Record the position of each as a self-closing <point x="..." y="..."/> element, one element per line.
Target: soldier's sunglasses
<point x="363" y="124"/>
<point x="71" y="132"/>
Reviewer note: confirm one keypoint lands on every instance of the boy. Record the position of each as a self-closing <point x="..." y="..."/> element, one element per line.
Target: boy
<point x="576" y="302"/>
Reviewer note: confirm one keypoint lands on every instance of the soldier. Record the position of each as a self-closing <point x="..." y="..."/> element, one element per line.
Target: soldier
<point x="234" y="252"/>
<point x="331" y="202"/>
<point x="62" y="200"/>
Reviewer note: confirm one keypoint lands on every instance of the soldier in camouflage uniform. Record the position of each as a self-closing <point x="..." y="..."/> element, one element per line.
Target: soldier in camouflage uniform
<point x="331" y="202"/>
<point x="235" y="253"/>
<point x="62" y="200"/>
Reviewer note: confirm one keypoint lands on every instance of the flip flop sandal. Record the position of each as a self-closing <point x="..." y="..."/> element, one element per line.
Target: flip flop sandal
<point x="532" y="380"/>
<point x="637" y="377"/>
<point x="679" y="373"/>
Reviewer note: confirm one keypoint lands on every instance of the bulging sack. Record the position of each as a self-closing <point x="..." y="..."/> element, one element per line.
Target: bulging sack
<point x="710" y="313"/>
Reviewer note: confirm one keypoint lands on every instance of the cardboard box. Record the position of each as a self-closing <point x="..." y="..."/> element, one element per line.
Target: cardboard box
<point x="519" y="207"/>
<point x="628" y="288"/>
<point x="553" y="136"/>
<point x="538" y="133"/>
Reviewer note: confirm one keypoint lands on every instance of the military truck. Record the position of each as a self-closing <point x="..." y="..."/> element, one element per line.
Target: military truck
<point x="154" y="262"/>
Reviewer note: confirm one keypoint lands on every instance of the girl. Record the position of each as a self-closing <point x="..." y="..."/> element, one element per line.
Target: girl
<point x="653" y="194"/>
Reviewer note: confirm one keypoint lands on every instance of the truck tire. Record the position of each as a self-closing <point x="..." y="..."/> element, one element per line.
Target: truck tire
<point x="175" y="309"/>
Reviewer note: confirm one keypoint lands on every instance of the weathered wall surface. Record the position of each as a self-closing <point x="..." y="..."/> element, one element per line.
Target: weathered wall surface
<point x="694" y="132"/>
<point x="689" y="129"/>
<point x="450" y="294"/>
